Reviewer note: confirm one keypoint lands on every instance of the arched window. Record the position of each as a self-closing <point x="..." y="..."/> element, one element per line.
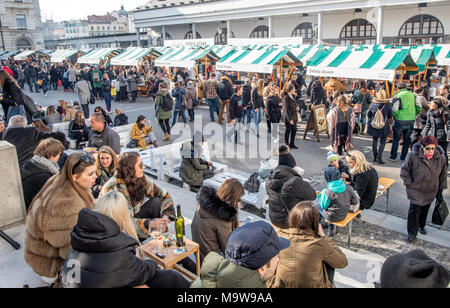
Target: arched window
<point x="23" y="44"/>
<point x="260" y="32"/>
<point x="358" y="31"/>
<point x="304" y="30"/>
<point x="190" y="36"/>
<point x="221" y="36"/>
<point x="421" y="29"/>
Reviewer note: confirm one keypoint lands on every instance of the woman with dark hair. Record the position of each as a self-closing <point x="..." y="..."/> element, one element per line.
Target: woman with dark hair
<point x="39" y="124"/>
<point x="53" y="214"/>
<point x="341" y="121"/>
<point x="290" y="114"/>
<point x="143" y="134"/>
<point x="274" y="105"/>
<point x="362" y="100"/>
<point x="318" y="95"/>
<point x="106" y="163"/>
<point x="424" y="174"/>
<point x="216" y="216"/>
<point x="108" y="120"/>
<point x="163" y="113"/>
<point x="311" y="259"/>
<point x="78" y="129"/>
<point x="151" y="206"/>
<point x="12" y="95"/>
<point x="437" y="123"/>
<point x="54" y="77"/>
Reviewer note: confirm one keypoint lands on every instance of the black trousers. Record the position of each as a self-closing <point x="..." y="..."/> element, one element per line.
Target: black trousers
<point x="378" y="151"/>
<point x="291" y="132"/>
<point x="165" y="125"/>
<point x="168" y="279"/>
<point x="330" y="272"/>
<point x="417" y="218"/>
<point x="85" y="108"/>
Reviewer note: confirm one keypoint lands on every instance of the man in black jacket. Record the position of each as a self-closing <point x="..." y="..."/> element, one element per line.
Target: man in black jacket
<point x="225" y="91"/>
<point x="286" y="188"/>
<point x="247" y="101"/>
<point x="31" y="78"/>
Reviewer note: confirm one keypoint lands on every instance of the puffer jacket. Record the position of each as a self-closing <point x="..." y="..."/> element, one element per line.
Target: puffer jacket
<point x="213" y="222"/>
<point x="424" y="178"/>
<point x="437" y="124"/>
<point x="225" y="88"/>
<point x="286" y="188"/>
<point x="274" y="109"/>
<point x="302" y="263"/>
<point x="218" y="272"/>
<point x="179" y="94"/>
<point x="366" y="185"/>
<point x="106" y="255"/>
<point x="120" y="120"/>
<point x="336" y="199"/>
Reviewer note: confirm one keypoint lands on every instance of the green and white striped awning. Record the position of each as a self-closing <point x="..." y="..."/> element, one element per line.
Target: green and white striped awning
<point x="134" y="55"/>
<point x="306" y="52"/>
<point x="8" y="54"/>
<point x="186" y="57"/>
<point x="27" y="53"/>
<point x="61" y="55"/>
<point x="255" y="60"/>
<point x="97" y="55"/>
<point x="422" y="56"/>
<point x="378" y="64"/>
<point x="442" y="53"/>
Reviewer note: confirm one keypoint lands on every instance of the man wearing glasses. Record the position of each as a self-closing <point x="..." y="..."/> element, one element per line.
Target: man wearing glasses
<point x="424" y="174"/>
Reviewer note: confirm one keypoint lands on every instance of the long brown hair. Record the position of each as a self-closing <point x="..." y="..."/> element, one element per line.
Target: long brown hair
<point x="64" y="179"/>
<point x="106" y="150"/>
<point x="137" y="188"/>
<point x="41" y="126"/>
<point x="231" y="191"/>
<point x="305" y="216"/>
<point x="4" y="76"/>
<point x="79" y="118"/>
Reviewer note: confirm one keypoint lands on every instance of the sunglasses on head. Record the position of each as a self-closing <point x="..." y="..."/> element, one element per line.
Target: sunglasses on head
<point x="87" y="158"/>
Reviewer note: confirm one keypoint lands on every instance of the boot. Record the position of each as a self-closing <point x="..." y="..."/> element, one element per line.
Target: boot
<point x="166" y="137"/>
<point x="155" y="144"/>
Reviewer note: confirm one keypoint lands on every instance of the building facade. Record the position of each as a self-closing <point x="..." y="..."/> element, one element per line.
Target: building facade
<point x="105" y="25"/>
<point x="340" y="22"/>
<point x="76" y="29"/>
<point x="21" y="26"/>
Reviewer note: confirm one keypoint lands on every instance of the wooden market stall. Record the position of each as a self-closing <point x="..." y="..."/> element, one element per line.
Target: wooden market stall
<point x="99" y="56"/>
<point x="27" y="55"/>
<point x="66" y="56"/>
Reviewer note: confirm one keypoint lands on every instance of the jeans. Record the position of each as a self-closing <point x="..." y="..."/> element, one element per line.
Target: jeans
<point x="45" y="88"/>
<point x="214" y="106"/>
<point x="400" y="129"/>
<point x="417" y="218"/>
<point x="235" y="130"/>
<point x="175" y="116"/>
<point x="361" y="118"/>
<point x="257" y="118"/>
<point x="248" y="115"/>
<point x="108" y="98"/>
<point x="378" y="152"/>
<point x="191" y="114"/>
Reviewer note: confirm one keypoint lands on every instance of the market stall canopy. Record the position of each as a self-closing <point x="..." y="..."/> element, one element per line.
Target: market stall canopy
<point x="8" y="54"/>
<point x="378" y="64"/>
<point x="61" y="55"/>
<point x="97" y="55"/>
<point x="27" y="53"/>
<point x="186" y="57"/>
<point x="133" y="56"/>
<point x="423" y="57"/>
<point x="256" y="60"/>
<point x="442" y="53"/>
<point x="306" y="52"/>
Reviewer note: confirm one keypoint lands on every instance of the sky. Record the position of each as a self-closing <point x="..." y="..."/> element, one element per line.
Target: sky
<point x="61" y="10"/>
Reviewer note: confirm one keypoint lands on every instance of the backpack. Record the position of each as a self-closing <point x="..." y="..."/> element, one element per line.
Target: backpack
<point x="378" y="121"/>
<point x="96" y="77"/>
<point x="253" y="183"/>
<point x="167" y="103"/>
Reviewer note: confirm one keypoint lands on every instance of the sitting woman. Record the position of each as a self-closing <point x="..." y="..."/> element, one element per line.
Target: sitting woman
<point x="54" y="212"/>
<point x="108" y="120"/>
<point x="216" y="216"/>
<point x="151" y="206"/>
<point x="36" y="171"/>
<point x="62" y="108"/>
<point x="311" y="259"/>
<point x="70" y="114"/>
<point x="106" y="166"/>
<point x="52" y="116"/>
<point x="78" y="129"/>
<point x="106" y="237"/>
<point x="194" y="170"/>
<point x="143" y="135"/>
<point x="121" y="119"/>
<point x="41" y="126"/>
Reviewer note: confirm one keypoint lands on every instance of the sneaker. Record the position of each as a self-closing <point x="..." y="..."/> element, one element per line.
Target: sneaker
<point x="422" y="231"/>
<point x="392" y="159"/>
<point x="411" y="239"/>
<point x="379" y="161"/>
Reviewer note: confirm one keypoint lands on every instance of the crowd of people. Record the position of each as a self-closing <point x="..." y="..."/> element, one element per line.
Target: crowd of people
<point x="102" y="207"/>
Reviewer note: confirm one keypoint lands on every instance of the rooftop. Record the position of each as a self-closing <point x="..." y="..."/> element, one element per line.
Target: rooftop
<point x="157" y="4"/>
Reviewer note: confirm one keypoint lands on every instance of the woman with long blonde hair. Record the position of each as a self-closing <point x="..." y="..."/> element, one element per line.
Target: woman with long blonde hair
<point x="106" y="237"/>
<point x="365" y="178"/>
<point x="106" y="163"/>
<point x="257" y="104"/>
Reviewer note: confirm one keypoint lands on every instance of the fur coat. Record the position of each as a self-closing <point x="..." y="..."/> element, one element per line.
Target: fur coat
<point x="47" y="230"/>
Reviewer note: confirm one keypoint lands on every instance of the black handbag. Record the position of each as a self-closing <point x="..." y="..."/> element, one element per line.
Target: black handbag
<point x="253" y="183"/>
<point x="92" y="100"/>
<point x="132" y="144"/>
<point x="440" y="213"/>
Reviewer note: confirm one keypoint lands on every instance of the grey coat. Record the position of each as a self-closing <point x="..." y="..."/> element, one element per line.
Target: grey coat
<point x="72" y="75"/>
<point x="108" y="137"/>
<point x="423" y="178"/>
<point x="132" y="84"/>
<point x="83" y="89"/>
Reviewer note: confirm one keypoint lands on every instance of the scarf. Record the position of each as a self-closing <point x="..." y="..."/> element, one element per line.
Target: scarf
<point x="45" y="164"/>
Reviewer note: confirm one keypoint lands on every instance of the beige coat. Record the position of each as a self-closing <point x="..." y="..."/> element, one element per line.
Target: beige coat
<point x="47" y="231"/>
<point x="302" y="263"/>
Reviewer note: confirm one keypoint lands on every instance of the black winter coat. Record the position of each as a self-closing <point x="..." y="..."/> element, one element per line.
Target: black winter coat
<point x="224" y="89"/>
<point x="107" y="256"/>
<point x="247" y="96"/>
<point x="274" y="109"/>
<point x="289" y="109"/>
<point x="437" y="124"/>
<point x="120" y="120"/>
<point x="387" y="114"/>
<point x="318" y="96"/>
<point x="12" y="96"/>
<point x="236" y="107"/>
<point x="366" y="185"/>
<point x="286" y="188"/>
<point x="257" y="100"/>
<point x="54" y="75"/>
<point x="34" y="178"/>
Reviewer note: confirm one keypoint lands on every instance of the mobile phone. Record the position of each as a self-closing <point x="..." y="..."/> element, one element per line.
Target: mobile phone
<point x="160" y="255"/>
<point x="248" y="220"/>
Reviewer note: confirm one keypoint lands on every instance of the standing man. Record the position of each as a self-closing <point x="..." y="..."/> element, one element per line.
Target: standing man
<point x="83" y="89"/>
<point x="225" y="91"/>
<point x="71" y="77"/>
<point x="212" y="96"/>
<point x="31" y="78"/>
<point x="97" y="79"/>
<point x="405" y="108"/>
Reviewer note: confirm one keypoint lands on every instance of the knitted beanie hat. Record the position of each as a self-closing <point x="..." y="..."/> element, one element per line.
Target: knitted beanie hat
<point x="332" y="157"/>
<point x="286" y="157"/>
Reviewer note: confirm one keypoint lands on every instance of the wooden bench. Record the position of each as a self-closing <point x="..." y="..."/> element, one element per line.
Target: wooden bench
<point x="342" y="224"/>
<point x="387" y="184"/>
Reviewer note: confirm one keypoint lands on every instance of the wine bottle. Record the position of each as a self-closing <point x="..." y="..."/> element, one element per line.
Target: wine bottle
<point x="179" y="227"/>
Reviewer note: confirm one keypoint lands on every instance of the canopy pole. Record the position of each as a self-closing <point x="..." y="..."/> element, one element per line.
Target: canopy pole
<point x="239" y="76"/>
<point x="168" y="75"/>
<point x="386" y="83"/>
<point x="447" y="74"/>
<point x="393" y="87"/>
<point x="426" y="71"/>
<point x="403" y="74"/>
<point x="287" y="80"/>
<point x="206" y="68"/>
<point x="281" y="72"/>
